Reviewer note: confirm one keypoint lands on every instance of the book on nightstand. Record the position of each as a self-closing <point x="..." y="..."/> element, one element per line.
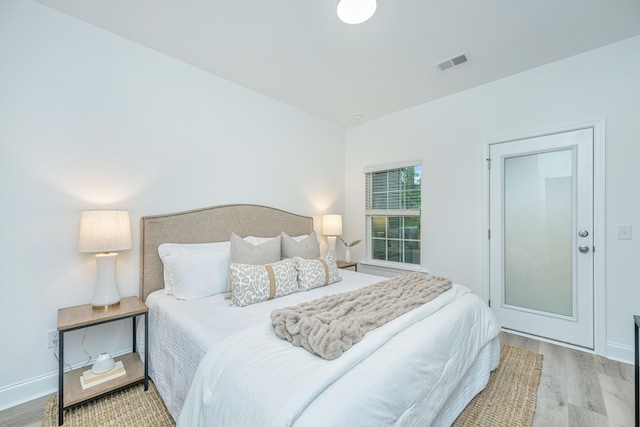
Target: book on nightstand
<point x="89" y="379"/>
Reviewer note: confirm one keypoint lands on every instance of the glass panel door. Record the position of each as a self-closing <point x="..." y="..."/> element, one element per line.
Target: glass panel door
<point x="538" y="231"/>
<point x="541" y="236"/>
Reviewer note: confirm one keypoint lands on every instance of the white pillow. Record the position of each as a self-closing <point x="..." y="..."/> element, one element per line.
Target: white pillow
<point x="170" y="249"/>
<point x="255" y="241"/>
<point x="199" y="274"/>
<point x="301" y="237"/>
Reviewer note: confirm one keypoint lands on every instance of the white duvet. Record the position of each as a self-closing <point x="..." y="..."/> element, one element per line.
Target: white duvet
<point x="400" y="374"/>
<point x="181" y="332"/>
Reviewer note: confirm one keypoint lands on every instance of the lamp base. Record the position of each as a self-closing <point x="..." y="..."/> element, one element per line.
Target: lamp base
<point x="105" y="307"/>
<point x="106" y="294"/>
<point x="331" y="240"/>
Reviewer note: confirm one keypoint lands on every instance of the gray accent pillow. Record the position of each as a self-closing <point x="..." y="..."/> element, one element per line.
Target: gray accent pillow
<point x="243" y="252"/>
<point x="307" y="248"/>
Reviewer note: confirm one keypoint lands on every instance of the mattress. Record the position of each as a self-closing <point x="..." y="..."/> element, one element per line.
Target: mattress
<point x="183" y="332"/>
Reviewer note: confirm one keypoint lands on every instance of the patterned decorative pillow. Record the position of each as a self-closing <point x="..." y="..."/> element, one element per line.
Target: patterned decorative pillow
<point x="244" y="251"/>
<point x="256" y="283"/>
<point x="313" y="273"/>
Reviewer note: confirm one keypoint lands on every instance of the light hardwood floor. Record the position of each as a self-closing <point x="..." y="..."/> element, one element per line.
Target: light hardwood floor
<point x="576" y="389"/>
<point x="26" y="415"/>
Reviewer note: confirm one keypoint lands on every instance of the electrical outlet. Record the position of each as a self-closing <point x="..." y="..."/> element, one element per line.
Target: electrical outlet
<point x="52" y="339"/>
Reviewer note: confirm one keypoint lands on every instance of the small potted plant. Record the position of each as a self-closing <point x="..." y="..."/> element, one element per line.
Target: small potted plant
<point x="347" y="254"/>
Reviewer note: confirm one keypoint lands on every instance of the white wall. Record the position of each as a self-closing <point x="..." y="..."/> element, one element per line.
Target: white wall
<point x="449" y="136"/>
<point x="89" y="120"/>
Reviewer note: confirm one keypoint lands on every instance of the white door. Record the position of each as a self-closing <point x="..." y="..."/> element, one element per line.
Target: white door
<point x="541" y="236"/>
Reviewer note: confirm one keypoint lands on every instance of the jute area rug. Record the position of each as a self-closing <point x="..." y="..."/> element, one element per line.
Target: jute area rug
<point x="508" y="400"/>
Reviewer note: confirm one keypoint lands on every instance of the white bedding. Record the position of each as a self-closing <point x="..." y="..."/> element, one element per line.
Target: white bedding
<point x="181" y="333"/>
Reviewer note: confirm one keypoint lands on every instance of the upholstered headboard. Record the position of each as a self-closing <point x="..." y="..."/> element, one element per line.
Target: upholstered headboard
<point x="214" y="224"/>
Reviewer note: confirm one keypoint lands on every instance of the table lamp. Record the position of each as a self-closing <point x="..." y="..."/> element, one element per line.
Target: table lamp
<point x="332" y="228"/>
<point x="104" y="231"/>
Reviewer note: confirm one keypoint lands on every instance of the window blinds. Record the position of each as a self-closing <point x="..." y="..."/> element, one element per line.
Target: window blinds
<point x="393" y="192"/>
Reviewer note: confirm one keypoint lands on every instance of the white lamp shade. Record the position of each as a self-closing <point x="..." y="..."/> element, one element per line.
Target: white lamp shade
<point x="356" y="11"/>
<point x="332" y="225"/>
<point x="104" y="231"/>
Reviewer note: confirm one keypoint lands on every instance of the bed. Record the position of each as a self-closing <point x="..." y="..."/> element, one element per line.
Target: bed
<point x="217" y="364"/>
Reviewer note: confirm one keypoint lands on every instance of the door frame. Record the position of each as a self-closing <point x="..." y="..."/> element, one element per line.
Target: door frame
<point x="599" y="224"/>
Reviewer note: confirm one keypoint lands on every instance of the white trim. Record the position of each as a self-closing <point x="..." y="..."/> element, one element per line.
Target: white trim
<point x="388" y="269"/>
<point x="391" y="166"/>
<point x="550" y="341"/>
<point x="599" y="238"/>
<point x="41" y="385"/>
<point x="28" y="390"/>
<point x="620" y="352"/>
<point x="485" y="291"/>
<point x="601" y="347"/>
<point x="392" y="212"/>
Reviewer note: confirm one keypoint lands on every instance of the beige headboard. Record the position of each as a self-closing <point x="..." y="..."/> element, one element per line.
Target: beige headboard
<point x="214" y="224"/>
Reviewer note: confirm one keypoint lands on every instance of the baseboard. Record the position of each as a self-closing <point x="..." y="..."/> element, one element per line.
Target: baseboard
<point x="33" y="388"/>
<point x="620" y="352"/>
<point x="614" y="351"/>
<point x="26" y="391"/>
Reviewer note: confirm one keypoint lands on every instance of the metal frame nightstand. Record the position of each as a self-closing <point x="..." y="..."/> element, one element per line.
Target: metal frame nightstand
<point x="83" y="316"/>
<point x="347" y="264"/>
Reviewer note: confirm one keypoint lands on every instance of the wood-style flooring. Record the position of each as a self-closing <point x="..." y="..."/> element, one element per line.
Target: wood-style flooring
<point x="26" y="415"/>
<point x="576" y="389"/>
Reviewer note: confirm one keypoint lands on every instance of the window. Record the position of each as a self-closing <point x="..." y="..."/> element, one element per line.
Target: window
<point x="392" y="209"/>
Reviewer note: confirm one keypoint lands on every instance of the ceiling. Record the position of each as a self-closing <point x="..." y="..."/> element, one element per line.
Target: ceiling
<point x="298" y="52"/>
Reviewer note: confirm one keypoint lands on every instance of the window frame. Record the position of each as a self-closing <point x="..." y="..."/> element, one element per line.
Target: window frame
<point x="371" y="213"/>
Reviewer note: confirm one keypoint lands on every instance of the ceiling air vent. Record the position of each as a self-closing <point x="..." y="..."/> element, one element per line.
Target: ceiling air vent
<point x="451" y="62"/>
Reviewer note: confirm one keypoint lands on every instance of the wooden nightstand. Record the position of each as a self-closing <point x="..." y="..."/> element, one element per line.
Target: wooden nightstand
<point x="345" y="264"/>
<point x="83" y="316"/>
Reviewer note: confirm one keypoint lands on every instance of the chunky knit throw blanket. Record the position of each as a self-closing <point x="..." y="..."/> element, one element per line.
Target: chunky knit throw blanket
<point x="331" y="325"/>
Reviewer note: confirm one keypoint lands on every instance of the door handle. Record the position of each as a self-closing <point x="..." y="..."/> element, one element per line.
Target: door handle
<point x="583" y="248"/>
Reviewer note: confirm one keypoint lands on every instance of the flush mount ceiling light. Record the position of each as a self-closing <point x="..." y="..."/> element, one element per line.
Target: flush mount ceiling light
<point x="356" y="11"/>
